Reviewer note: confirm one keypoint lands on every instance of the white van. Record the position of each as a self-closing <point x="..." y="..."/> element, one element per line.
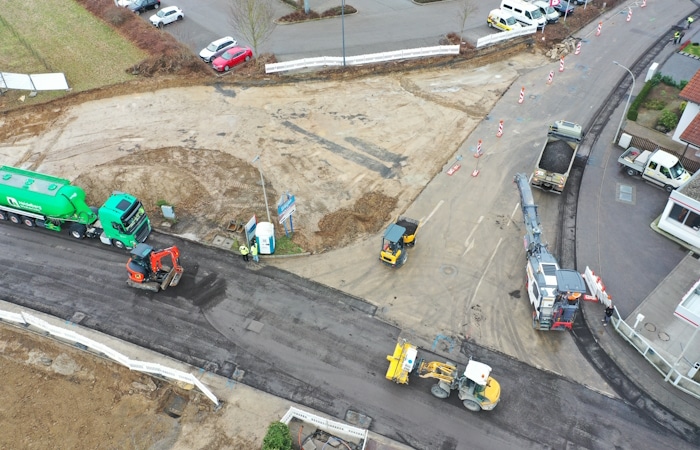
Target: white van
<point x="525" y="13"/>
<point x="548" y="12"/>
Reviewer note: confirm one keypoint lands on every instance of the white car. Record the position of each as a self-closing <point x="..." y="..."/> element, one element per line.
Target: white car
<point x="216" y="48"/>
<point x="166" y="16"/>
<point x="123" y="3"/>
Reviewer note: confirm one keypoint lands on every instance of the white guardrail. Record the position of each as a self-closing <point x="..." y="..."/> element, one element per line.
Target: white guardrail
<point x="23" y="318"/>
<point x="329" y="426"/>
<point x="324" y="61"/>
<point x="505" y="35"/>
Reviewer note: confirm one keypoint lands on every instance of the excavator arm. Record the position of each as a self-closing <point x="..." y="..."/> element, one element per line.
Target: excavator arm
<point x="439" y="370"/>
<point x="174" y="272"/>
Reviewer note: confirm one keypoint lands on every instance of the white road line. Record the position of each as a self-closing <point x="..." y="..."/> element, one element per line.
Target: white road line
<point x="469" y="242"/>
<point x="483" y="274"/>
<point x="517" y="206"/>
<point x="423" y="222"/>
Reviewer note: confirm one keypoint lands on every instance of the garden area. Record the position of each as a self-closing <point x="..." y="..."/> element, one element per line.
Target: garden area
<point x="658" y="105"/>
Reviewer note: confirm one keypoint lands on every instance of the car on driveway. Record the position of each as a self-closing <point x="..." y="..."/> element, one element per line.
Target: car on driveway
<point x="232" y="57"/>
<point x="140" y="6"/>
<point x="166" y="16"/>
<point x="216" y="48"/>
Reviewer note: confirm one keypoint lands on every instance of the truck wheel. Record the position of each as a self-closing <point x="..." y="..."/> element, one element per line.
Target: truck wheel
<point x="14" y="218"/>
<point x="3" y="215"/>
<point x="668" y="188"/>
<point x="471" y="405"/>
<point x="119" y="244"/>
<point x="439" y="392"/>
<point x="28" y="221"/>
<point x="631" y="172"/>
<point x="78" y="231"/>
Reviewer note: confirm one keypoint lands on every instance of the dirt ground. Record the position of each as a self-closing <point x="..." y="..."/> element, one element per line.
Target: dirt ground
<point x="355" y="153"/>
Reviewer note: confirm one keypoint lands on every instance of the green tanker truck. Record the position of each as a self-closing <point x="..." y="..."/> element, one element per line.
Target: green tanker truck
<point x="39" y="200"/>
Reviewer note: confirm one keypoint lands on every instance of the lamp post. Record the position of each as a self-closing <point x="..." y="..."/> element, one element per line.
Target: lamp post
<point x="342" y="26"/>
<point x="629" y="97"/>
<point x="262" y="180"/>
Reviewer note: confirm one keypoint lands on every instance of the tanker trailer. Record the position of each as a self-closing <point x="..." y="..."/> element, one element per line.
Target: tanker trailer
<point x="39" y="200"/>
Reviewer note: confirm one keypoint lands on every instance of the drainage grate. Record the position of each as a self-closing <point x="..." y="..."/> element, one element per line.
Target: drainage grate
<point x="625" y="193"/>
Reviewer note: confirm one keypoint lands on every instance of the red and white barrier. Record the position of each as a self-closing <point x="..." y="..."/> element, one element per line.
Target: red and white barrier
<point x="500" y="129"/>
<point x="629" y="15"/>
<point x="522" y="95"/>
<point x="644" y="3"/>
<point x="600" y="27"/>
<point x="578" y="48"/>
<point x="550" y="77"/>
<point x="478" y="149"/>
<point x="561" y="64"/>
<point x="597" y="288"/>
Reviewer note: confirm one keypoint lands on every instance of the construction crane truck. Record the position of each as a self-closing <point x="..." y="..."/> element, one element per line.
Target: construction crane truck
<point x="147" y="271"/>
<point x="553" y="292"/>
<point x="475" y="386"/>
<point x="396" y="240"/>
<point x="39" y="200"/>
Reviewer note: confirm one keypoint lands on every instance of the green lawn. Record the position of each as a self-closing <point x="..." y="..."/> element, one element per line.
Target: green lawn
<point x="693" y="48"/>
<point x="40" y="36"/>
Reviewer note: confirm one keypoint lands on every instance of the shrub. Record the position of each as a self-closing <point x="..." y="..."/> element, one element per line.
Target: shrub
<point x="634" y="109"/>
<point x="656" y="105"/>
<point x="682" y="84"/>
<point x="300" y="16"/>
<point x="681" y="108"/>
<point x="668" y="120"/>
<point x="278" y="437"/>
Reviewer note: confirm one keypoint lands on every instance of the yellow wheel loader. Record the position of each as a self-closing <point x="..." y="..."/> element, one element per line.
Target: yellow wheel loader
<point x="475" y="387"/>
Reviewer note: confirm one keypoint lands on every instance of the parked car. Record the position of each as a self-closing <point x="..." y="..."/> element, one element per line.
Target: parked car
<point x="232" y="57"/>
<point x="548" y="12"/>
<point x="581" y="2"/>
<point x="217" y="48"/>
<point x="124" y="3"/>
<point x="502" y="20"/>
<point x="564" y="7"/>
<point x="166" y="16"/>
<point x="139" y="6"/>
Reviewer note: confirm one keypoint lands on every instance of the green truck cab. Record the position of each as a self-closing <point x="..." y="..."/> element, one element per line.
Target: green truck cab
<point x="39" y="200"/>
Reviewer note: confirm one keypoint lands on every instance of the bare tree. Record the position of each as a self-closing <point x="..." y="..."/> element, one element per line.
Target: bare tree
<point x="253" y="20"/>
<point x="465" y="9"/>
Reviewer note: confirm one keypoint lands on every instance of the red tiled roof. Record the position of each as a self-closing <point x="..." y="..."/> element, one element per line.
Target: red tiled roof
<point x="691" y="134"/>
<point x="691" y="91"/>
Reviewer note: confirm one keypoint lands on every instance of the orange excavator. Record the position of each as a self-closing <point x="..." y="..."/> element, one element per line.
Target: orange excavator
<point x="147" y="271"/>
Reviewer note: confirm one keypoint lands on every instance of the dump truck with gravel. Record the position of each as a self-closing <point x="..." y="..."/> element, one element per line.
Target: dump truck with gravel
<point x="557" y="156"/>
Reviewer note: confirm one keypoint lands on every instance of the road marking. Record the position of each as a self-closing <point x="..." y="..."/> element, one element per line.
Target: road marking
<point x="483" y="274"/>
<point x="517" y="206"/>
<point x="423" y="222"/>
<point x="469" y="242"/>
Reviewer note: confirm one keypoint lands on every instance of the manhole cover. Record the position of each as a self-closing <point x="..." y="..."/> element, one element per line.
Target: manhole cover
<point x="625" y="193"/>
<point x="664" y="337"/>
<point x="448" y="270"/>
<point x="650" y="326"/>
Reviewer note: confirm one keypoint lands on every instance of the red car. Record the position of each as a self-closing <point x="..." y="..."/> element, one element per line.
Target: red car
<point x="232" y="57"/>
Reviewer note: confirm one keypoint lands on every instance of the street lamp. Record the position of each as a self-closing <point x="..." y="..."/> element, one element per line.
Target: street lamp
<point x="629" y="97"/>
<point x="262" y="180"/>
<point x="342" y="26"/>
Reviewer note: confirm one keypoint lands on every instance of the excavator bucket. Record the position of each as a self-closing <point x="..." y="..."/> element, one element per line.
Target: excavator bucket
<point x="172" y="278"/>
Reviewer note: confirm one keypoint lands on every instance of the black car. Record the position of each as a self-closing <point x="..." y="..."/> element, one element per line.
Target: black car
<point x="565" y="7"/>
<point x="139" y="6"/>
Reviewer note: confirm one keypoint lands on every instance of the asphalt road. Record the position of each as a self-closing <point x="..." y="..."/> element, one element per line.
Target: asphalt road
<point x="315" y="346"/>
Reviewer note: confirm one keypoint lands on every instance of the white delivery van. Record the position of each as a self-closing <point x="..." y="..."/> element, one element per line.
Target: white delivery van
<point x="502" y="20"/>
<point x="548" y="12"/>
<point x="525" y="13"/>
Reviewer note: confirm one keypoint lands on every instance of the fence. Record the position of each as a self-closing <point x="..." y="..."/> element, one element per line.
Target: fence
<point x="325" y="61"/>
<point x="641" y="143"/>
<point x="69" y="336"/>
<point x="679" y="380"/>
<point x="505" y="35"/>
<point x="329" y="426"/>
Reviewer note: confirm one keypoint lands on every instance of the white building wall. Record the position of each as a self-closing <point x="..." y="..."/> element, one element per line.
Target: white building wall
<point x="681" y="216"/>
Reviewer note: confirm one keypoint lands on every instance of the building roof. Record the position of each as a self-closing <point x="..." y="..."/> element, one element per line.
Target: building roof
<point x="691" y="134"/>
<point x="691" y="91"/>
